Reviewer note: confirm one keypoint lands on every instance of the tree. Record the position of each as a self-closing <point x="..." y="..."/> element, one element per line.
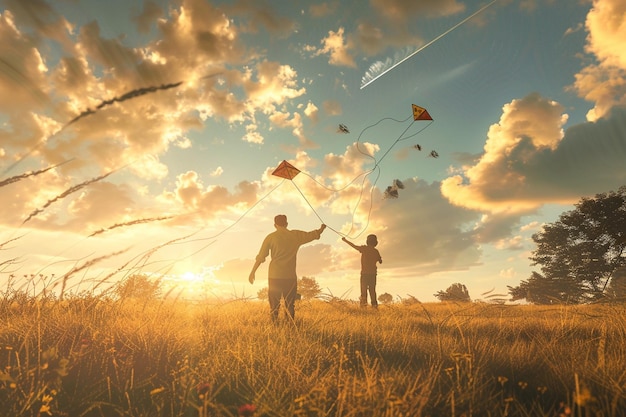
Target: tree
<point x="539" y="289"/>
<point x="385" y="298"/>
<point x="263" y="294"/>
<point x="617" y="287"/>
<point x="455" y="292"/>
<point x="308" y="288"/>
<point x="138" y="286"/>
<point x="578" y="253"/>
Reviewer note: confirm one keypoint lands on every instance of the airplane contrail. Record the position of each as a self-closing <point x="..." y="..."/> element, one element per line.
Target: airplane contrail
<point x="365" y="84"/>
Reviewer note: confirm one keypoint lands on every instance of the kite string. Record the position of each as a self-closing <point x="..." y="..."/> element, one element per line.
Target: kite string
<point x="394" y="144"/>
<point x="241" y="217"/>
<point x="314" y="211"/>
<point x="364" y="175"/>
<point x="416" y="133"/>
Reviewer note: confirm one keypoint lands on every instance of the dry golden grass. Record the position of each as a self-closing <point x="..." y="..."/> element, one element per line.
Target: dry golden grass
<point x="89" y="356"/>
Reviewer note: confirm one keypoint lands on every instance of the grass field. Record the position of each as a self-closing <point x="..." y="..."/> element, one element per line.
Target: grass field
<point x="92" y="356"/>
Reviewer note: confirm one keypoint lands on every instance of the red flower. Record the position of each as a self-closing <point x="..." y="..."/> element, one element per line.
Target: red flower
<point x="247" y="410"/>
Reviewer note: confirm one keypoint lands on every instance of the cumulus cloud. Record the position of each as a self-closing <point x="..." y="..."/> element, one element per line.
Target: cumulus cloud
<point x="498" y="182"/>
<point x="191" y="196"/>
<point x="337" y="48"/>
<point x="22" y="71"/>
<point x="604" y="82"/>
<point x="421" y="231"/>
<point x="197" y="49"/>
<point x="529" y="161"/>
<point x="312" y="112"/>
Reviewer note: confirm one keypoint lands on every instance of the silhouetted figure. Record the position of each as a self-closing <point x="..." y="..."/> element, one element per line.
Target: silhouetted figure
<point x="369" y="257"/>
<point x="283" y="245"/>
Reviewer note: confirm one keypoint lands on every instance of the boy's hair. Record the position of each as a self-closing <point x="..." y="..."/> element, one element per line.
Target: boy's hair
<point x="280" y="220"/>
<point x="372" y="240"/>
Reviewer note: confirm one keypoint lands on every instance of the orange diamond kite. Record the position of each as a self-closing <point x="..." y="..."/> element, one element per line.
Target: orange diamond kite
<point x="420" y="113"/>
<point x="286" y="170"/>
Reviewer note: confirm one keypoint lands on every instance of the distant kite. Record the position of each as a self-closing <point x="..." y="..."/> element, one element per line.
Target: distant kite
<point x="434" y="154"/>
<point x="420" y="113"/>
<point x="286" y="170"/>
<point x="343" y="128"/>
<point x="418" y="146"/>
<point x="392" y="190"/>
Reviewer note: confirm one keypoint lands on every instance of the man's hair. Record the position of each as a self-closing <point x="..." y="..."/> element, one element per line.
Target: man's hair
<point x="372" y="240"/>
<point x="280" y="220"/>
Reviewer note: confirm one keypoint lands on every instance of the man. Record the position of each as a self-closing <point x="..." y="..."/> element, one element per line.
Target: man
<point x="283" y="245"/>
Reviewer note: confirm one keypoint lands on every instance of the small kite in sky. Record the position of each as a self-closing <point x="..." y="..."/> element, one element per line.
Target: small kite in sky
<point x="343" y="128"/>
<point x="418" y="146"/>
<point x="420" y="113"/>
<point x="286" y="170"/>
<point x="434" y="154"/>
<point x="392" y="190"/>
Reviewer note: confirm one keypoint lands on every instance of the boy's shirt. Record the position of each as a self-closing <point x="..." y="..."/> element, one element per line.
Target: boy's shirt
<point x="369" y="257"/>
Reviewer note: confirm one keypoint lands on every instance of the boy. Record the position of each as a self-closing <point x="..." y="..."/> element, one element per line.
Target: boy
<point x="369" y="257"/>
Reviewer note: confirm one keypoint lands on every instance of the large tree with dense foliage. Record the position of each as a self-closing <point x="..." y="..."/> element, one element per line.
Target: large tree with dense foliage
<point x="308" y="288"/>
<point x="578" y="253"/>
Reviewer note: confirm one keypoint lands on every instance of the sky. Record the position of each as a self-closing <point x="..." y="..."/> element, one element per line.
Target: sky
<point x="140" y="137"/>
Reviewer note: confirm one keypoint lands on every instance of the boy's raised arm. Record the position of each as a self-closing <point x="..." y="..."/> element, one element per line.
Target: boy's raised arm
<point x="349" y="243"/>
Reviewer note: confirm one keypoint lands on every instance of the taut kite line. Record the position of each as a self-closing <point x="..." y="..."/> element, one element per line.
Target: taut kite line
<point x="368" y="78"/>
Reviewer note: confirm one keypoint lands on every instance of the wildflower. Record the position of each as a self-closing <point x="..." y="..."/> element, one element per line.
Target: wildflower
<point x="247" y="410"/>
<point x="45" y="404"/>
<point x="45" y="409"/>
<point x="583" y="397"/>
<point x="502" y="380"/>
<point x="564" y="410"/>
<point x="522" y="384"/>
